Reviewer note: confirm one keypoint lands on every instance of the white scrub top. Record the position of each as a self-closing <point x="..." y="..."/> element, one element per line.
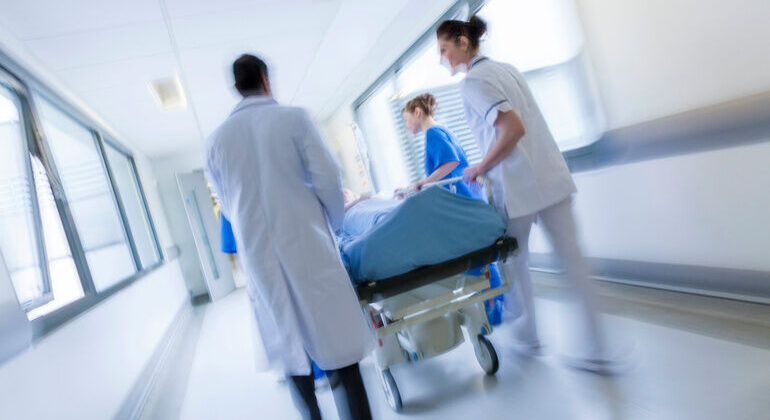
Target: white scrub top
<point x="535" y="175"/>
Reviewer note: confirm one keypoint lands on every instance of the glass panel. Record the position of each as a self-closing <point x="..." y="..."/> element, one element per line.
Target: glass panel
<point x="17" y="224"/>
<point x="133" y="204"/>
<point x="375" y="117"/>
<point x="565" y="95"/>
<point x="424" y="71"/>
<point x="65" y="281"/>
<point x="88" y="193"/>
<point x="204" y="235"/>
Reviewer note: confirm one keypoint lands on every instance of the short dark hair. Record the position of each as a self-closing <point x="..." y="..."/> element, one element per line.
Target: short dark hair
<point x="249" y="72"/>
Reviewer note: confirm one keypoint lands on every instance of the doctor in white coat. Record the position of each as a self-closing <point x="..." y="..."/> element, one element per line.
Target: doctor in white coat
<point x="280" y="186"/>
<point x="529" y="179"/>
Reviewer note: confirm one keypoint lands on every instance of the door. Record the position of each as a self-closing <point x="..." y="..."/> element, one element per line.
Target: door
<point x="205" y="229"/>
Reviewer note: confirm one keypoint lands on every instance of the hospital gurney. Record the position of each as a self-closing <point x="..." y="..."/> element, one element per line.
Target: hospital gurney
<point x="419" y="314"/>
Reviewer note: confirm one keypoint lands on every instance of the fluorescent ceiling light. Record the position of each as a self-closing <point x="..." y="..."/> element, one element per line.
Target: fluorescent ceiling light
<point x="168" y="93"/>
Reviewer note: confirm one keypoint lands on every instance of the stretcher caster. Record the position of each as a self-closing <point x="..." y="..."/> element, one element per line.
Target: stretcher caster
<point x="486" y="355"/>
<point x="391" y="390"/>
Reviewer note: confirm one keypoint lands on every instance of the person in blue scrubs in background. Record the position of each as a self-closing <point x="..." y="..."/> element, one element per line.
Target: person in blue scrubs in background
<point x="444" y="159"/>
<point x="226" y="233"/>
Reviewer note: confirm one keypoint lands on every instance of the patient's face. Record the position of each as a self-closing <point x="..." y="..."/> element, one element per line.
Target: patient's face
<point x="412" y="122"/>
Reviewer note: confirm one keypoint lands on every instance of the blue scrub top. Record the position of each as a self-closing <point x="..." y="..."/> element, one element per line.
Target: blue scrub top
<point x="228" y="239"/>
<point x="441" y="147"/>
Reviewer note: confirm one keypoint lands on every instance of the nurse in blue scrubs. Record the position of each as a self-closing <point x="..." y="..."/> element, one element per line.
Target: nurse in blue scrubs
<point x="445" y="158"/>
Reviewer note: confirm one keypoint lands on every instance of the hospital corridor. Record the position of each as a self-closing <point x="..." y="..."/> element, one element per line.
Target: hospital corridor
<point x="370" y="209"/>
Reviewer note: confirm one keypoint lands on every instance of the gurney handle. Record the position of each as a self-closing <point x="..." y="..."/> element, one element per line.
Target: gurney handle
<point x="481" y="180"/>
<point x="454" y="180"/>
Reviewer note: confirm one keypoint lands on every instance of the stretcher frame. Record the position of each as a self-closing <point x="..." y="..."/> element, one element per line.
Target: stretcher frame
<point x="462" y="306"/>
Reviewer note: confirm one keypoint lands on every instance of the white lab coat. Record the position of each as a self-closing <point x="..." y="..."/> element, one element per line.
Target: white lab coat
<point x="534" y="176"/>
<point x="280" y="188"/>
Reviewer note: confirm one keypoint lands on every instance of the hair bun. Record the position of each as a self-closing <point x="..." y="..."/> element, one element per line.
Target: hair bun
<point x="426" y="102"/>
<point x="476" y="27"/>
<point x="429" y="99"/>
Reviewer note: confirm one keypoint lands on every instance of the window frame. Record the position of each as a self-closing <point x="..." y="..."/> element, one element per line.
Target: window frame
<point x="106" y="141"/>
<point x="23" y="84"/>
<point x="16" y="87"/>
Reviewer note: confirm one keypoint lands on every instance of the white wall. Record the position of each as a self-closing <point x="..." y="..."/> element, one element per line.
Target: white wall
<point x="708" y="209"/>
<point x="654" y="58"/>
<point x="178" y="227"/>
<point x="86" y="368"/>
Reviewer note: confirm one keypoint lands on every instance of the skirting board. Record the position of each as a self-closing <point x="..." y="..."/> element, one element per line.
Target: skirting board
<point x="137" y="398"/>
<point x="745" y="285"/>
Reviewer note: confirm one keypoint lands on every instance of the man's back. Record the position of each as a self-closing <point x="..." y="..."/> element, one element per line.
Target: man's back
<point x="280" y="187"/>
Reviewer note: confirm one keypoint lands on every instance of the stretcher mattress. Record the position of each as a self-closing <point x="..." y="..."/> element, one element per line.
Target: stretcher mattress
<point x="385" y="238"/>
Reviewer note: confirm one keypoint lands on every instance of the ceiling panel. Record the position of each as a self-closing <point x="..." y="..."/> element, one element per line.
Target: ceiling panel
<point x="140" y="70"/>
<point x="102" y="46"/>
<point x="42" y="18"/>
<point x="132" y="111"/>
<point x="181" y="8"/>
<point x="265" y="24"/>
<point x="209" y="73"/>
<point x="106" y="52"/>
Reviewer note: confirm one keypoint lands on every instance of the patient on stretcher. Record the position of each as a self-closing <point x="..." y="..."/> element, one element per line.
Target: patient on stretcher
<point x="381" y="238"/>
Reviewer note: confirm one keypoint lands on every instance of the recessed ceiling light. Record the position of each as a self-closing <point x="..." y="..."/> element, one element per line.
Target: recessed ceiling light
<point x="168" y="93"/>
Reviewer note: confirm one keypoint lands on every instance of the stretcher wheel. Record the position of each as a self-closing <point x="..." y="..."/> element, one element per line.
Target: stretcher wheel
<point x="486" y="355"/>
<point x="391" y="390"/>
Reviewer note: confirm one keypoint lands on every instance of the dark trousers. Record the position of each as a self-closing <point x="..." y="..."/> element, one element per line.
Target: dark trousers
<point x="347" y="387"/>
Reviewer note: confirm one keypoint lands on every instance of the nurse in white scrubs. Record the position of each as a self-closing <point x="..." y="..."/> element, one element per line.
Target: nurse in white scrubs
<point x="529" y="177"/>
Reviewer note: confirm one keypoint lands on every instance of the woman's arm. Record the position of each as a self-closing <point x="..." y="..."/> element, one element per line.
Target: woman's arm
<point x="510" y="129"/>
<point x="437" y="175"/>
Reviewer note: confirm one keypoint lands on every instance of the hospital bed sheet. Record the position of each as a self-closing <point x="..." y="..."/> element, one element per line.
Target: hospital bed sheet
<point x="381" y="239"/>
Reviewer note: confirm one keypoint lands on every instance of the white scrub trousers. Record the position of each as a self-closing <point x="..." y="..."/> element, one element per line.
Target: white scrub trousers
<point x="559" y="224"/>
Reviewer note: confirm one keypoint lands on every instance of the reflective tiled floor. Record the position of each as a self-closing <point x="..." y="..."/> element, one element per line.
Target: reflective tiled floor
<point x="685" y="362"/>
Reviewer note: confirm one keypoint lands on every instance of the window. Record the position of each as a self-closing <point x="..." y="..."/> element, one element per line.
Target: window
<point x="65" y="281"/>
<point x="30" y="228"/>
<point x="74" y="223"/>
<point x="127" y="183"/>
<point x="542" y="39"/>
<point x="89" y="195"/>
<point x="19" y="228"/>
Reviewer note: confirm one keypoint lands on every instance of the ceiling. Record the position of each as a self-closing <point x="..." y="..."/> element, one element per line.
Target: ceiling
<point x="321" y="53"/>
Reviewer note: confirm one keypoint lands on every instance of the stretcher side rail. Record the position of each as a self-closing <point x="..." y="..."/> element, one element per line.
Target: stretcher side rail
<point x="375" y="291"/>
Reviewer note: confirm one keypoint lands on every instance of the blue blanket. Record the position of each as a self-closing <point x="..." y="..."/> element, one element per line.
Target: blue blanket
<point x="384" y="238"/>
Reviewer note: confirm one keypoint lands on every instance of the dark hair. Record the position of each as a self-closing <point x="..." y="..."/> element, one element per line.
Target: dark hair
<point x="473" y="29"/>
<point x="426" y="102"/>
<point x="249" y="72"/>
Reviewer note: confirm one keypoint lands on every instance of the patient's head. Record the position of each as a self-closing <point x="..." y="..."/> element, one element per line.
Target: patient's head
<point x="418" y="112"/>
